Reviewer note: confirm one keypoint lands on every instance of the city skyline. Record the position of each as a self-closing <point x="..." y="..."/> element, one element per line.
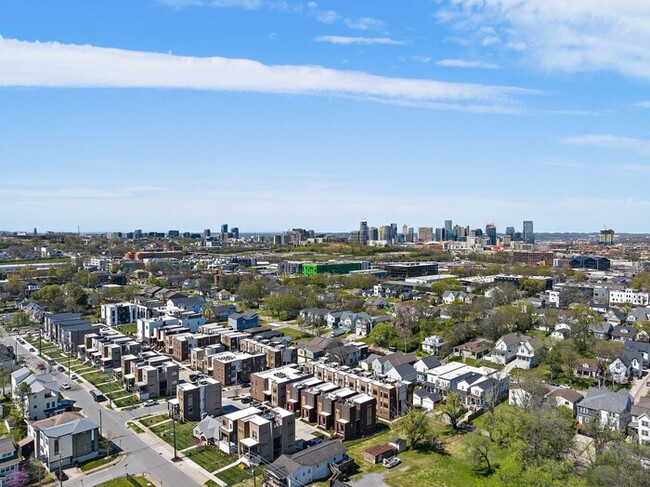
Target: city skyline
<point x="163" y="113"/>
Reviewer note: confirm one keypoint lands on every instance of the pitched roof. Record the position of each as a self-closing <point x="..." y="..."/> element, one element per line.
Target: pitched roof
<point x="568" y="394"/>
<point x="285" y="465"/>
<point x="602" y="399"/>
<point x="68" y="423"/>
<point x="398" y="358"/>
<point x="430" y="362"/>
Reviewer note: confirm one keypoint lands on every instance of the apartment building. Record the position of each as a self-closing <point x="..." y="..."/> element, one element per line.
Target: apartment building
<point x="67" y="329"/>
<point x="182" y="345"/>
<point x="276" y="355"/>
<point x="195" y="401"/>
<point x="393" y="397"/>
<point x="267" y="435"/>
<point x="629" y="296"/>
<point x="150" y="376"/>
<point x="236" y="367"/>
<point x="114" y="314"/>
<point x="105" y="349"/>
<point x="294" y="393"/>
<point x="309" y="400"/>
<point x="355" y="416"/>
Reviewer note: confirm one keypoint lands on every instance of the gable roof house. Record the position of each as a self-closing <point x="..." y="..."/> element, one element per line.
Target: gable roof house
<point x="623" y="333"/>
<point x="528" y="353"/>
<point x="602" y="330"/>
<point x="642" y="347"/>
<point x="307" y="466"/>
<point x="639" y="314"/>
<point x="506" y="347"/>
<point x="433" y="344"/>
<point x="449" y="297"/>
<point x="9" y="460"/>
<point x="626" y="366"/>
<point x="44" y="399"/>
<point x="425" y="399"/>
<point x="611" y="408"/>
<point x="424" y="364"/>
<point x="588" y="369"/>
<point x="65" y="439"/>
<point x="383" y="364"/>
<point x="474" y="349"/>
<point x="566" y="397"/>
<point x="403" y="372"/>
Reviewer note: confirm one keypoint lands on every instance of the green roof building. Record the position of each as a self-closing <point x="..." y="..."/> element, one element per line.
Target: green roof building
<point x="330" y="268"/>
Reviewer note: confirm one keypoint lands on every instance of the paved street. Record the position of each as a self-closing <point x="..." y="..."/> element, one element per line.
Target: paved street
<point x="140" y="456"/>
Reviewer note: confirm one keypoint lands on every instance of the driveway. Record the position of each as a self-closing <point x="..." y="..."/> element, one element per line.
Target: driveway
<point x="370" y="480"/>
<point x="639" y="388"/>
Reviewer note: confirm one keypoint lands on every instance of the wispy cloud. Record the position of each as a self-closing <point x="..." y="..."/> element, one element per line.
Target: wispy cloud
<point x="642" y="104"/>
<point x="51" y="64"/>
<point x="461" y="63"/>
<point x="571" y="36"/>
<point x="607" y="141"/>
<point x="357" y="40"/>
<point x="364" y="23"/>
<point x="422" y="59"/>
<point x="245" y="4"/>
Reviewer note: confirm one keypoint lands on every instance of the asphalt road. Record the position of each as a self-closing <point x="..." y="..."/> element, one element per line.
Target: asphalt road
<point x="139" y="458"/>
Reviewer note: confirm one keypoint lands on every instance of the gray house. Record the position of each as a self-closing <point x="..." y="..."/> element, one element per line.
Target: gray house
<point x="611" y="408"/>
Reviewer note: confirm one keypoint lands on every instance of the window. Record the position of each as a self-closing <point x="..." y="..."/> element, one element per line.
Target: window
<point x="56" y="446"/>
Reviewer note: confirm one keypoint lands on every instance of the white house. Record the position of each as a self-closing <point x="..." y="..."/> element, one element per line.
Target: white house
<point x="644" y="429"/>
<point x="425" y="399"/>
<point x="44" y="400"/>
<point x="64" y="439"/>
<point x="625" y="366"/>
<point x="449" y="297"/>
<point x="506" y="348"/>
<point x="307" y="466"/>
<point x="528" y="353"/>
<point x="8" y="458"/>
<point x="425" y="364"/>
<point x="433" y="344"/>
<point x="629" y="296"/>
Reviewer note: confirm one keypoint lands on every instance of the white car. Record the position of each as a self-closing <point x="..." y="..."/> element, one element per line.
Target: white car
<point x="150" y="403"/>
<point x="65" y="386"/>
<point x="73" y="376"/>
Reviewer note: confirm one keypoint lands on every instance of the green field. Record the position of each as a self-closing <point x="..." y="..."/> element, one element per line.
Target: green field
<point x="184" y="438"/>
<point x="98" y="462"/>
<point x="446" y="467"/>
<point x="236" y="475"/>
<point x="123" y="482"/>
<point x="152" y="420"/>
<point x="209" y="458"/>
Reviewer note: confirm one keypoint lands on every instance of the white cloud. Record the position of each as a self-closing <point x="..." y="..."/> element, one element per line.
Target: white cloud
<point x="245" y="4"/>
<point x="357" y="40"/>
<point x="461" y="63"/>
<point x="607" y="141"/>
<point x="51" y="64"/>
<point x="422" y="59"/>
<point x="643" y="104"/>
<point x="565" y="35"/>
<point x="364" y="23"/>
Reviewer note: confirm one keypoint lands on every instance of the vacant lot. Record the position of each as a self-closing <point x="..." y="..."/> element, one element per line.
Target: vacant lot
<point x="209" y="457"/>
<point x="184" y="438"/>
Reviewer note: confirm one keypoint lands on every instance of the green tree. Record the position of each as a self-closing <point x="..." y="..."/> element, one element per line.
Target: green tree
<point x="5" y="378"/>
<point x="532" y="287"/>
<point x="22" y="391"/>
<point x="51" y="297"/>
<point x="383" y="334"/>
<point x="479" y="452"/>
<point x="641" y="281"/>
<point x="416" y="427"/>
<point x="438" y="288"/>
<point x="453" y="409"/>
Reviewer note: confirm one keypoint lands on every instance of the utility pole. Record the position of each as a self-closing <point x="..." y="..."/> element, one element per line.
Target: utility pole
<point x="40" y="338"/>
<point x="174" y="428"/>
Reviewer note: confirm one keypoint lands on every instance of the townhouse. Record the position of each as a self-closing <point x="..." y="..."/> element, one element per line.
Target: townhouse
<point x="231" y="368"/>
<point x="276" y="355"/>
<point x="150" y="375"/>
<point x="271" y="385"/>
<point x="105" y="349"/>
<point x="194" y="401"/>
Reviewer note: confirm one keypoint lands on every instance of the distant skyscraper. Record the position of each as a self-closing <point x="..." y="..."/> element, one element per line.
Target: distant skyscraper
<point x="235" y="232"/>
<point x="491" y="232"/>
<point x="606" y="237"/>
<point x="173" y="233"/>
<point x="440" y="234"/>
<point x="137" y="233"/>
<point x="510" y="231"/>
<point x="224" y="228"/>
<point x="405" y="230"/>
<point x="425" y="234"/>
<point x="528" y="234"/>
<point x="373" y="233"/>
<point x="360" y="237"/>
<point x="449" y="230"/>
<point x="207" y="232"/>
<point x="410" y="236"/>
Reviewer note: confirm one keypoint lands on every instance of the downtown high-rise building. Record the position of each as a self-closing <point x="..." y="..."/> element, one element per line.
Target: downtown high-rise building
<point x="449" y="230"/>
<point x="491" y="232"/>
<point x="425" y="234"/>
<point x="528" y="234"/>
<point x="510" y="231"/>
<point x="360" y="237"/>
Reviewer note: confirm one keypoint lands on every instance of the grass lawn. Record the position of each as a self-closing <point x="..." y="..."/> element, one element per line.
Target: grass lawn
<point x="151" y="420"/>
<point x="96" y="377"/>
<point x="209" y="457"/>
<point x="211" y="483"/>
<point x="448" y="467"/>
<point x="293" y="333"/>
<point x="129" y="400"/>
<point x="236" y="475"/>
<point x="133" y="481"/>
<point x="130" y="329"/>
<point x="97" y="463"/>
<point x="135" y="427"/>
<point x="184" y="438"/>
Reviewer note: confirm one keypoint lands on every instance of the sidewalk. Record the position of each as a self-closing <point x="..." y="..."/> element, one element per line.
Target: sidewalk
<point x="166" y="451"/>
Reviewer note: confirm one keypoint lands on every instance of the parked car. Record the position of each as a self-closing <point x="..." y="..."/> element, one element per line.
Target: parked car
<point x="65" y="386"/>
<point x="73" y="376"/>
<point x="246" y="400"/>
<point x="61" y="368"/>
<point x="391" y="462"/>
<point x="32" y="349"/>
<point x="150" y="403"/>
<point x="300" y="445"/>
<point x="194" y="377"/>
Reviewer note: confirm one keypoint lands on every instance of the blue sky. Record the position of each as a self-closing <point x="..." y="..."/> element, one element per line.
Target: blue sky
<point x="272" y="114"/>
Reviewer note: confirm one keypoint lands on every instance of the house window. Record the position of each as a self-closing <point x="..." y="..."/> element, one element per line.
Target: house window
<point x="56" y="447"/>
